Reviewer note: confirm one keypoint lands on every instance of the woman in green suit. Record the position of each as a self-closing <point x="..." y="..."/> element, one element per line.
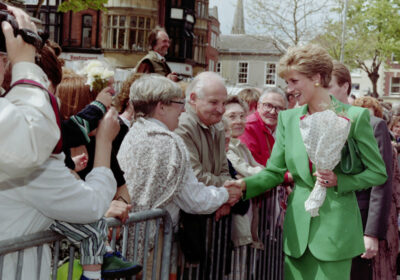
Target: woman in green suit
<point x="320" y="247"/>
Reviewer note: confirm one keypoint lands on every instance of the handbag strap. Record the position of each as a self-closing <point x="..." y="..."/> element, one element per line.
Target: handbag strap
<point x="54" y="105"/>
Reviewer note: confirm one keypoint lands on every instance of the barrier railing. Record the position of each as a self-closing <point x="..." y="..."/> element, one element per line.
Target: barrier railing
<point x="139" y="219"/>
<point x="246" y="262"/>
<point x="220" y="261"/>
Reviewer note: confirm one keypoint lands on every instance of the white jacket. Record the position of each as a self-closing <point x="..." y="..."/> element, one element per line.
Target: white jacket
<point x="49" y="193"/>
<point x="28" y="127"/>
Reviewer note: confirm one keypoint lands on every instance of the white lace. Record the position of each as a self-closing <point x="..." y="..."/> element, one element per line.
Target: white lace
<point x="324" y="135"/>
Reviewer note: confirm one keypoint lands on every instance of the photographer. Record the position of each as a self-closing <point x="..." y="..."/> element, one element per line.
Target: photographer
<point x="27" y="121"/>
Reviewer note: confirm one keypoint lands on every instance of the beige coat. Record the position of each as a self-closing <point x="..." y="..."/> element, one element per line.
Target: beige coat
<point x="245" y="165"/>
<point x="206" y="146"/>
<point x="242" y="159"/>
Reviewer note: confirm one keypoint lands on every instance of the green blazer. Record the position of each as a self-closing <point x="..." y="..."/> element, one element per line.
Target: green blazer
<point x="336" y="234"/>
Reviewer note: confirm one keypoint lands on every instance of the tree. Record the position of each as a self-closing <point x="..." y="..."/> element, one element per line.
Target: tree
<point x="79" y="5"/>
<point x="292" y="21"/>
<point x="373" y="36"/>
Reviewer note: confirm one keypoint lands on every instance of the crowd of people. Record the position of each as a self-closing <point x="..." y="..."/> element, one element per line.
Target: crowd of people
<point x="192" y="149"/>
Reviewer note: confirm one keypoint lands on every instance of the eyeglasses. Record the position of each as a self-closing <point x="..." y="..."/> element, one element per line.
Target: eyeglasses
<point x="179" y="102"/>
<point x="268" y="107"/>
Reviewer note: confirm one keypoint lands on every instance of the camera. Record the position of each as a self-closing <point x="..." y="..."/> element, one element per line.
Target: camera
<point x="27" y="35"/>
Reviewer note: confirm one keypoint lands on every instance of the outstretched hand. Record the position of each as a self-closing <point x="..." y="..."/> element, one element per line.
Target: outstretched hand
<point x="236" y="183"/>
<point x="234" y="191"/>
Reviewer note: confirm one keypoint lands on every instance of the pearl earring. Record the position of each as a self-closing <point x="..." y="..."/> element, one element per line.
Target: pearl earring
<point x="316" y="84"/>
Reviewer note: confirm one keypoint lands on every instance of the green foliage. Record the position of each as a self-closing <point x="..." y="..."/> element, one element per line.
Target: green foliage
<point x="372" y="34"/>
<point x="80" y="5"/>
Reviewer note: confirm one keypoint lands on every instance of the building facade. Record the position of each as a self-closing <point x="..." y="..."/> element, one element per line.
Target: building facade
<point x="119" y="34"/>
<point x="249" y="60"/>
<point x="50" y="20"/>
<point x="180" y="19"/>
<point x="388" y="85"/>
<point x="125" y="27"/>
<point x="212" y="39"/>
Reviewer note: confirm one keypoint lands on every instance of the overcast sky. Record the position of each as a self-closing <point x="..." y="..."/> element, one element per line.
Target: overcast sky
<point x="226" y="11"/>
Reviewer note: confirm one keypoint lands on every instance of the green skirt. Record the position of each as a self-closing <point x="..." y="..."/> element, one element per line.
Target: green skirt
<point x="307" y="267"/>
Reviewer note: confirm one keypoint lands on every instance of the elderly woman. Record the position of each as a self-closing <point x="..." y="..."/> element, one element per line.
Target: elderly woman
<point x="155" y="159"/>
<point x="321" y="247"/>
<point x="245" y="165"/>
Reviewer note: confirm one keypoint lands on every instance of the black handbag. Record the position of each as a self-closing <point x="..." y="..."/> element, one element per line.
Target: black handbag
<point x="350" y="162"/>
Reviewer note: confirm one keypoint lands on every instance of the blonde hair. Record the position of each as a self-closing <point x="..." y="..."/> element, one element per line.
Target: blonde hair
<point x="249" y="95"/>
<point x="394" y="121"/>
<point x="370" y="103"/>
<point x="150" y="89"/>
<point x="308" y="60"/>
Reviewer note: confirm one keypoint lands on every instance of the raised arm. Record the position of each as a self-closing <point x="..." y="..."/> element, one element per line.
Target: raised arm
<point x="27" y="122"/>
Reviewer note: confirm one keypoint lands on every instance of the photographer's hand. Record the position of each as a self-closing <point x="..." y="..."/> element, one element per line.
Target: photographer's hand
<point x="17" y="49"/>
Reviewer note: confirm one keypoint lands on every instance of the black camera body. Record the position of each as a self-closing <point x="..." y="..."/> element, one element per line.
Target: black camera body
<point x="5" y="16"/>
<point x="27" y="35"/>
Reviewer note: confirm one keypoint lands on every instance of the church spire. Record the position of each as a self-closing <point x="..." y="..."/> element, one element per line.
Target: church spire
<point x="238" y="20"/>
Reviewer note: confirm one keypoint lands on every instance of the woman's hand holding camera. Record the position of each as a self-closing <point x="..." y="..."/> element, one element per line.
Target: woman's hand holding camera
<point x="17" y="49"/>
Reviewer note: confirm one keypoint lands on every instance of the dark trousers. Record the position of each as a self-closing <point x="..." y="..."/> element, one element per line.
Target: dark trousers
<point x="361" y="269"/>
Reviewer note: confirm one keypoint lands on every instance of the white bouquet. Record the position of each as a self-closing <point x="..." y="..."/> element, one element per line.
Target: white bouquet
<point x="324" y="135"/>
<point x="98" y="74"/>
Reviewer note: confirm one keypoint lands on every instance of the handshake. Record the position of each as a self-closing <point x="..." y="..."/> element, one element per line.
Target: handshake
<point x="234" y="189"/>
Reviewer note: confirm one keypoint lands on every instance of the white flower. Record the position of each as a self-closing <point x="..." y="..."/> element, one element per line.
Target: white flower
<point x="97" y="74"/>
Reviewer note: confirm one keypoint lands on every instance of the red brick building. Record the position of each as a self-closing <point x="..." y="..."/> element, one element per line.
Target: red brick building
<point x="213" y="33"/>
<point x="81" y="31"/>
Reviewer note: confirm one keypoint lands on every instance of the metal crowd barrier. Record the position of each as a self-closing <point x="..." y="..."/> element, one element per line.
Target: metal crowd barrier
<point x="246" y="262"/>
<point x="40" y="239"/>
<point x="221" y="260"/>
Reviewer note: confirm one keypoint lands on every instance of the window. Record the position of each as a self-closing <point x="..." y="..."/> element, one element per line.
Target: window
<point x="355" y="86"/>
<point x="213" y="40"/>
<point x="201" y="9"/>
<point x="86" y="31"/>
<point x="127" y="32"/>
<point x="51" y="19"/>
<point x="242" y="72"/>
<point x="51" y="23"/>
<point x="270" y="74"/>
<point x="200" y="49"/>
<point x="211" y="65"/>
<point x="218" y="70"/>
<point x="395" y="85"/>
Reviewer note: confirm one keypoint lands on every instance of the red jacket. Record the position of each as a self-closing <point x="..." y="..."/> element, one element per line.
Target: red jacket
<point x="255" y="138"/>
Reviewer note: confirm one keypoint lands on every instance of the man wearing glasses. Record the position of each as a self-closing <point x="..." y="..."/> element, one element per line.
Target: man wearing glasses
<point x="260" y="127"/>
